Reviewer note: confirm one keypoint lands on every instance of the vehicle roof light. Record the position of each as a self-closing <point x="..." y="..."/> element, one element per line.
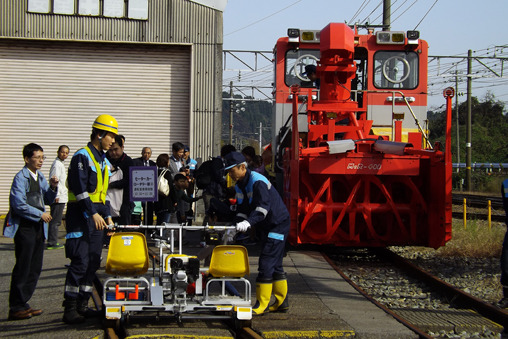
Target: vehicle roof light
<point x="398" y="37"/>
<point x="413" y="37"/>
<point x="293" y="32"/>
<point x="293" y="35"/>
<point x="306" y="36"/>
<point x="383" y="38"/>
<point x="390" y="38"/>
<point x="310" y="36"/>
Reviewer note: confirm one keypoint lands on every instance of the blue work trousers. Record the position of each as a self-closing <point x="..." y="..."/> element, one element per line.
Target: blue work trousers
<point x="85" y="255"/>
<point x="272" y="252"/>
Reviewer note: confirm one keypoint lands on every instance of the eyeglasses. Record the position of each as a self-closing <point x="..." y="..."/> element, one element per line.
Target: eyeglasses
<point x="39" y="158"/>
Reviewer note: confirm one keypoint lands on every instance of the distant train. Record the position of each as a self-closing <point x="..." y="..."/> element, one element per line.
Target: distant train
<point x="354" y="162"/>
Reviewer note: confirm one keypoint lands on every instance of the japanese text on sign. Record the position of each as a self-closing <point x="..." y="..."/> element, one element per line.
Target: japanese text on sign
<point x="143" y="183"/>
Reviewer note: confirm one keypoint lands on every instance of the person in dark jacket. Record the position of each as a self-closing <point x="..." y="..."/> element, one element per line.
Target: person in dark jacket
<point x="144" y="160"/>
<point x="216" y="193"/>
<point x="503" y="303"/>
<point x="88" y="214"/>
<point x="261" y="206"/>
<point x="164" y="207"/>
<point x="181" y="183"/>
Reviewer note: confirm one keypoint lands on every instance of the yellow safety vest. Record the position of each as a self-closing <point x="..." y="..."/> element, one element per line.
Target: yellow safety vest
<point x="99" y="195"/>
<point x="229" y="181"/>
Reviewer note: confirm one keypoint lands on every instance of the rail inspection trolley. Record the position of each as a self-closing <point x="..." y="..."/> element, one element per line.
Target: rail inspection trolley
<point x="177" y="287"/>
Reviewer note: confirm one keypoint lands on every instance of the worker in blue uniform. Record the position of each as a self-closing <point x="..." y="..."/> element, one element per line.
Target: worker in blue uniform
<point x="261" y="206"/>
<point x="88" y="214"/>
<point x="503" y="303"/>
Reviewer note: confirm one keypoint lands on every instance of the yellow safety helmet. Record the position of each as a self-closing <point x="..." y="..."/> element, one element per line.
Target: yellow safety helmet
<point x="106" y="122"/>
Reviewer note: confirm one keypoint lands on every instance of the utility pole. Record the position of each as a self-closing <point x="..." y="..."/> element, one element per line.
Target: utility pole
<point x="231" y="113"/>
<point x="457" y="114"/>
<point x="468" y="122"/>
<point x="386" y="15"/>
<point x="260" y="136"/>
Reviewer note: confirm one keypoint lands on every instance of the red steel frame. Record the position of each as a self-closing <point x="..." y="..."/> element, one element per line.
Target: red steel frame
<point x="361" y="197"/>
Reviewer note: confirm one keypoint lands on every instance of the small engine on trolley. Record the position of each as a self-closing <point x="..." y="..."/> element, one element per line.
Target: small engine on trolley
<point x="175" y="286"/>
<point x="353" y="159"/>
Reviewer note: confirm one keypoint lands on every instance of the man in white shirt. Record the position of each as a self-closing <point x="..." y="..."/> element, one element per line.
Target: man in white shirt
<point x="58" y="170"/>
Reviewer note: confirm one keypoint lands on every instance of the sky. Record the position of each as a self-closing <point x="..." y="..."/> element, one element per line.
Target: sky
<point x="451" y="27"/>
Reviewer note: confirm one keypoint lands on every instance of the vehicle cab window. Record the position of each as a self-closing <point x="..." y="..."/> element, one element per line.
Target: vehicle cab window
<point x="395" y="69"/>
<point x="296" y="60"/>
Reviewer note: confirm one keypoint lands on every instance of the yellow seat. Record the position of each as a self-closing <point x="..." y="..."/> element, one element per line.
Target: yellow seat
<point x="127" y="254"/>
<point x="229" y="261"/>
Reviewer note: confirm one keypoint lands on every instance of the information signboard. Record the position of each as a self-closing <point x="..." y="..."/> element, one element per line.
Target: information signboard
<point x="143" y="183"/>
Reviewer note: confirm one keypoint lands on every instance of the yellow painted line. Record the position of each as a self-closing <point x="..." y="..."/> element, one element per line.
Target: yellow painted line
<point x="333" y="334"/>
<point x="176" y="336"/>
<point x="308" y="334"/>
<point x="266" y="335"/>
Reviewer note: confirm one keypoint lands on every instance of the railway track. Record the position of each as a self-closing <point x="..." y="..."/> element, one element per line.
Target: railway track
<point x="477" y="200"/>
<point x="479" y="215"/>
<point x="406" y="323"/>
<point x="116" y="329"/>
<point x="421" y="320"/>
<point x="458" y="301"/>
<point x="477" y="207"/>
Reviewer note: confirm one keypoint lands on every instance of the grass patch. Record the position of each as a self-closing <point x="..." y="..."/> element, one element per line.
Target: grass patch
<point x="476" y="240"/>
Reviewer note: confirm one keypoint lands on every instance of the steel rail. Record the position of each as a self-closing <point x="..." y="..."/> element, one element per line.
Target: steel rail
<point x="419" y="332"/>
<point x="456" y="296"/>
<point x="247" y="333"/>
<point x="478" y="216"/>
<point x="477" y="200"/>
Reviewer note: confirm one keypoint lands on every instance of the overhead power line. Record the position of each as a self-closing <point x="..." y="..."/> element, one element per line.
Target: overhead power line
<point x="404" y="11"/>
<point x="367" y="17"/>
<point x="426" y="14"/>
<point x="262" y="19"/>
<point x="489" y="72"/>
<point x="391" y="5"/>
<point x="358" y="11"/>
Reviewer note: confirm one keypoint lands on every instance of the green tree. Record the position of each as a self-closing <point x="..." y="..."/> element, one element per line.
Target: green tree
<point x="489" y="130"/>
<point x="246" y="121"/>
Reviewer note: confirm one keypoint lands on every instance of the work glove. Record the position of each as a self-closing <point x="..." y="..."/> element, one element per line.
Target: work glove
<point x="230" y="236"/>
<point x="242" y="226"/>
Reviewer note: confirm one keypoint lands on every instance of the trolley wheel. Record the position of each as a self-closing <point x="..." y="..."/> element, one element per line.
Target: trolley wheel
<point x="112" y="325"/>
<point x="126" y="319"/>
<point x="239" y="324"/>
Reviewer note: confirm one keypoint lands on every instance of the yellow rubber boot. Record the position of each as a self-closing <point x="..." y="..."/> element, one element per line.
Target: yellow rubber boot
<point x="263" y="294"/>
<point x="280" y="291"/>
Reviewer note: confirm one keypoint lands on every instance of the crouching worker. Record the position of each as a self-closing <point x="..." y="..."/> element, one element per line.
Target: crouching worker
<point x="88" y="213"/>
<point x="261" y="206"/>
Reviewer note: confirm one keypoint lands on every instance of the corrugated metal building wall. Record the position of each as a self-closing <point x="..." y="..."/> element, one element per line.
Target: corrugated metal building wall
<point x="161" y="78"/>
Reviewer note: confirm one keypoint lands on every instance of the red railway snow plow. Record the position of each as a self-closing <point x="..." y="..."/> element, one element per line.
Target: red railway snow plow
<point x="350" y="178"/>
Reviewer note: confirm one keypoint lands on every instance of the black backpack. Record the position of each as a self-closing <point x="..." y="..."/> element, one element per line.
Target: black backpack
<point x="210" y="170"/>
